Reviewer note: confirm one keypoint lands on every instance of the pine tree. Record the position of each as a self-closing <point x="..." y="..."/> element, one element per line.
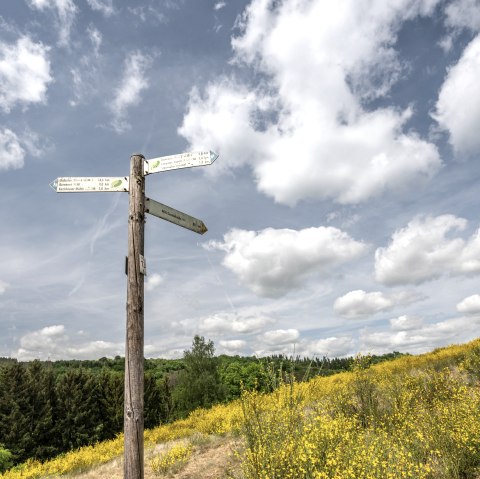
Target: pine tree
<point x="40" y="395"/>
<point x="158" y="401"/>
<point x="14" y="432"/>
<point x="110" y="402"/>
<point x="78" y="421"/>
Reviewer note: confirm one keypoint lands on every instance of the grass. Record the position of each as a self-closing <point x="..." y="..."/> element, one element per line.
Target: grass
<point x="172" y="460"/>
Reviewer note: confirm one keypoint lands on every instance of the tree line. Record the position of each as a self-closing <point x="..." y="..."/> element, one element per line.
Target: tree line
<point x="47" y="408"/>
<point x="43" y="414"/>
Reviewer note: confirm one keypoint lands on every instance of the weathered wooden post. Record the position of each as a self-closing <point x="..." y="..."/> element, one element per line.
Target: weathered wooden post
<point x="136" y="271"/>
<point x="134" y="379"/>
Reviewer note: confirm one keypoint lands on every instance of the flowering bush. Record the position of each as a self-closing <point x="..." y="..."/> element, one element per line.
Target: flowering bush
<point x="383" y="422"/>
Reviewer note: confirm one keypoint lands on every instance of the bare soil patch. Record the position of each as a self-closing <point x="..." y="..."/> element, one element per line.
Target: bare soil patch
<point x="213" y="459"/>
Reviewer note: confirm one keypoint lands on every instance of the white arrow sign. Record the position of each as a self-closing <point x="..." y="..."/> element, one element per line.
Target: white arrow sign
<point x="87" y="184"/>
<point x="174" y="216"/>
<point x="182" y="160"/>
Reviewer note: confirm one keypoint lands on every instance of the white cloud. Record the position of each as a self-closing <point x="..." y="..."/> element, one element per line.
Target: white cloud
<point x="65" y="11"/>
<point x="458" y="105"/>
<point x="3" y="287"/>
<point x="133" y="82"/>
<point x="406" y="323"/>
<point x="233" y="344"/>
<point x="24" y="73"/>
<point x="425" y="250"/>
<point x="219" y="5"/>
<point x="446" y="43"/>
<point x="96" y="38"/>
<point x="53" y="342"/>
<point x="149" y="13"/>
<point x="37" y="338"/>
<point x="104" y="6"/>
<point x="153" y="281"/>
<point x="305" y="132"/>
<point x="14" y="148"/>
<point x="34" y="144"/>
<point x="470" y="305"/>
<point x="221" y="120"/>
<point x="463" y="14"/>
<point x="12" y="155"/>
<point x="332" y="347"/>
<point x="358" y="303"/>
<point x="281" y="336"/>
<point x="85" y="75"/>
<point x="422" y="338"/>
<point x="272" y="262"/>
<point x="243" y="323"/>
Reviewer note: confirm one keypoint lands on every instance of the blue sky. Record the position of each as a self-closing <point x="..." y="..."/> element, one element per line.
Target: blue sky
<point x="342" y="210"/>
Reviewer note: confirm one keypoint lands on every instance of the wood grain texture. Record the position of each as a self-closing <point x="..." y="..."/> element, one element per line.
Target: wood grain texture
<point x="134" y="345"/>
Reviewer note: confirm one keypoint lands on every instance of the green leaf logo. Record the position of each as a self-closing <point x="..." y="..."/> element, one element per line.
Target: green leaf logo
<point x="116" y="183"/>
<point x="156" y="164"/>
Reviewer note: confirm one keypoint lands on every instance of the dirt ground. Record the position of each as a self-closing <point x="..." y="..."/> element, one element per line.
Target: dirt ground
<point x="213" y="459"/>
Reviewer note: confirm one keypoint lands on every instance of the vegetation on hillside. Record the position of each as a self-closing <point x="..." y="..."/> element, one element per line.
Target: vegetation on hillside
<point x="377" y="423"/>
<point x="417" y="417"/>
<point x="48" y="408"/>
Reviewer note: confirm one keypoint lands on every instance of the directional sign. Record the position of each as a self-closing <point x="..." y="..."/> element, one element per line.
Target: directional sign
<point x="175" y="162"/>
<point x="174" y="216"/>
<point x="87" y="184"/>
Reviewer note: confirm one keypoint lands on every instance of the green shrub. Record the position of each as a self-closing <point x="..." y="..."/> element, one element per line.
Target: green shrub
<point x="5" y="459"/>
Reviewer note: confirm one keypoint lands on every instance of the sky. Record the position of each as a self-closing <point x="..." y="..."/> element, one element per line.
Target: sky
<point x="342" y="211"/>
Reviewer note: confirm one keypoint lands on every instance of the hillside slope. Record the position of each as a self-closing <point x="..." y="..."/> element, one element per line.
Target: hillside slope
<point x="415" y="417"/>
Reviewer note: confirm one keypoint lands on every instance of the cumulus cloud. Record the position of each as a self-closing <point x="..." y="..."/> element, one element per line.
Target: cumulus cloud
<point x="406" y="323"/>
<point x="24" y="73"/>
<point x="305" y="132"/>
<point x="281" y="336"/>
<point x="53" y="342"/>
<point x="104" y="6"/>
<point x="422" y="337"/>
<point x="469" y="305"/>
<point x="425" y="250"/>
<point x="458" y="105"/>
<point x="65" y="11"/>
<point x="243" y="323"/>
<point x="233" y="344"/>
<point x="12" y="155"/>
<point x="14" y="148"/>
<point x="332" y="347"/>
<point x="272" y="262"/>
<point x="222" y="118"/>
<point x="358" y="303"/>
<point x="128" y="94"/>
<point x="153" y="281"/>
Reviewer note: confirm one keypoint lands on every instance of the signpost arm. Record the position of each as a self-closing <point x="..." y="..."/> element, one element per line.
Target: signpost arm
<point x="134" y="356"/>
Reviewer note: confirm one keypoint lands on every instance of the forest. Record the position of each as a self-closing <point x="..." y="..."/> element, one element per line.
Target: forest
<point x="50" y="407"/>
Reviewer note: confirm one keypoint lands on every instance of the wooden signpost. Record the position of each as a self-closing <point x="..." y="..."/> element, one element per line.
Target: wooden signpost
<point x="136" y="270"/>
